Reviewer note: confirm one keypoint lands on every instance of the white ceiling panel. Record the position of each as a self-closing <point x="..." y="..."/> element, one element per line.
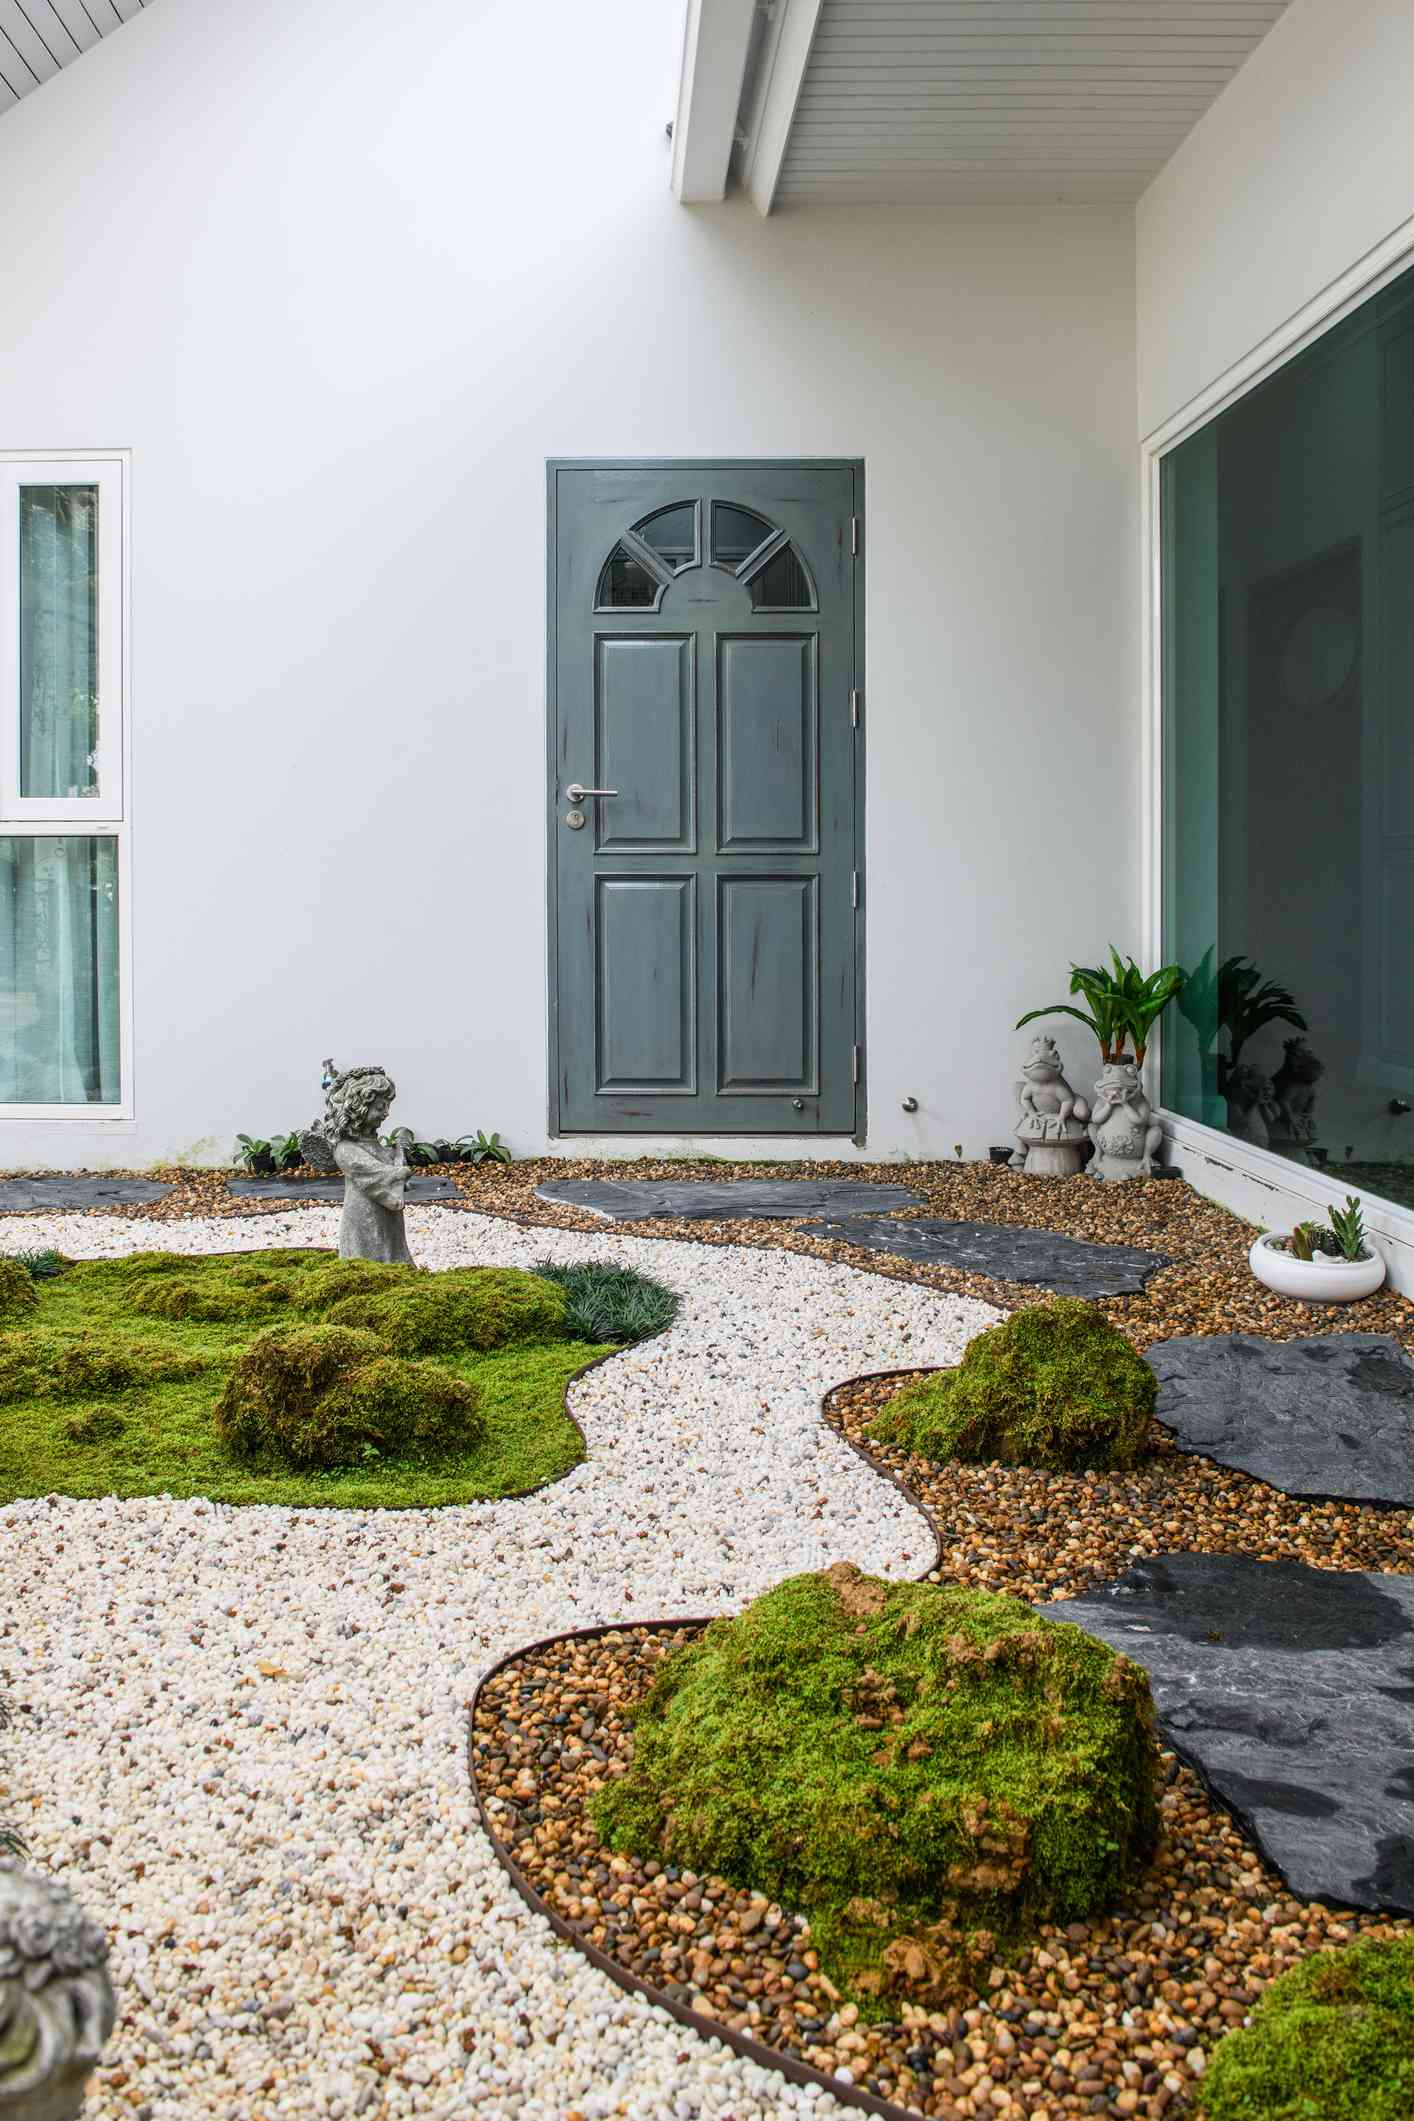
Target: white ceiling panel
<point x="975" y="100"/>
<point x="37" y="37"/>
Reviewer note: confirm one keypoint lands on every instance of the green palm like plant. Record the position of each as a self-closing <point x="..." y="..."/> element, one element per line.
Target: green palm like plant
<point x="1122" y="1004"/>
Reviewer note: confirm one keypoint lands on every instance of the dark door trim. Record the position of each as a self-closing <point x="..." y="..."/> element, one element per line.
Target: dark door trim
<point x="553" y="466"/>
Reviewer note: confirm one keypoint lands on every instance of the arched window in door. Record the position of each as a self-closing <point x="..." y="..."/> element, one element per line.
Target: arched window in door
<point x="663" y="545"/>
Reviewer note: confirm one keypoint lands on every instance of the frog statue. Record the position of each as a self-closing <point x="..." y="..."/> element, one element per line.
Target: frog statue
<point x="1251" y="1104"/>
<point x="1291" y="1128"/>
<point x="1051" y="1123"/>
<point x="1122" y="1125"/>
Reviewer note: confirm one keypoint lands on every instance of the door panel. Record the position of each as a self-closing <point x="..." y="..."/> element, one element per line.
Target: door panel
<point x="645" y="744"/>
<point x="768" y="984"/>
<point x="767" y="749"/>
<point x="644" y="939"/>
<point x="704" y="962"/>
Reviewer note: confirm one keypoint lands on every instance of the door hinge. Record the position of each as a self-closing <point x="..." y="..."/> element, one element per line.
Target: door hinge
<point x="854" y="535"/>
<point x="854" y="888"/>
<point x="856" y="1064"/>
<point x="854" y="706"/>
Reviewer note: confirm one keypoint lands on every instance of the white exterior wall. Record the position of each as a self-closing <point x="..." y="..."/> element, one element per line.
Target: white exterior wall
<point x="1287" y="196"/>
<point x="1303" y="166"/>
<point x="342" y="278"/>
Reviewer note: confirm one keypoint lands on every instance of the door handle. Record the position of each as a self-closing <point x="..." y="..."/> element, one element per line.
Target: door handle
<point x="577" y="794"/>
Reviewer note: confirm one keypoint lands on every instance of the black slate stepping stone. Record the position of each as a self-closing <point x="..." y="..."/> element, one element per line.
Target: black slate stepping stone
<point x="722" y="1200"/>
<point x="330" y="1188"/>
<point x="1331" y="1417"/>
<point x="1008" y="1251"/>
<point x="1291" y="1691"/>
<point x="18" y="1195"/>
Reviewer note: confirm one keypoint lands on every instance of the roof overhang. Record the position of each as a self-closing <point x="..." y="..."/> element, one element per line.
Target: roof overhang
<point x="945" y="102"/>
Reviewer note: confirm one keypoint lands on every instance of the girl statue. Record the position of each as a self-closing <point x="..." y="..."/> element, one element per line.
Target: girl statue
<point x="356" y="1104"/>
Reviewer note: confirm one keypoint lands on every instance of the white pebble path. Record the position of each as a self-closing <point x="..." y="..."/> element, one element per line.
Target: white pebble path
<point x="288" y="1863"/>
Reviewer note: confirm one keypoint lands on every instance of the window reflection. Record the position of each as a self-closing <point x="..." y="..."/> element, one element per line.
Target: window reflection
<point x="1288" y="631"/>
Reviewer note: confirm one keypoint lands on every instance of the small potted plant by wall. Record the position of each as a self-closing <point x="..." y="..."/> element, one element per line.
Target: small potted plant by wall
<point x="1317" y="1265"/>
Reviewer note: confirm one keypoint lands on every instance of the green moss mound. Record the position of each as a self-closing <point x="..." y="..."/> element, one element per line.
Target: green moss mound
<point x="80" y="1365"/>
<point x="1055" y="1386"/>
<point x="1332" y="2040"/>
<point x="416" y="1313"/>
<point x="925" y="1772"/>
<point x="17" y="1290"/>
<point x="221" y="1290"/>
<point x="331" y="1396"/>
<point x="94" y="1425"/>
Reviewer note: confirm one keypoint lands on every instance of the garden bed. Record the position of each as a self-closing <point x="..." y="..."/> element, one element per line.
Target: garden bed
<point x="1116" y="2016"/>
<point x="147" y="1426"/>
<point x="1209" y="1288"/>
<point x="1042" y="1535"/>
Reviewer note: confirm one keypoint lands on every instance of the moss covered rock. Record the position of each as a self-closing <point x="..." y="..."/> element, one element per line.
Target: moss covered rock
<point x="48" y="1365"/>
<point x="1054" y="1385"/>
<point x="926" y="1772"/>
<point x="416" y="1313"/>
<point x="17" y="1291"/>
<point x="1332" y="2040"/>
<point x="331" y="1395"/>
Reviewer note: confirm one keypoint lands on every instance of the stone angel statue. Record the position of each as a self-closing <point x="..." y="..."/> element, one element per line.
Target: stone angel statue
<point x="357" y="1102"/>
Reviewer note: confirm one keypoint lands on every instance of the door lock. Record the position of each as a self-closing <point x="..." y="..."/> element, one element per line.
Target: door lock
<point x="799" y="1103"/>
<point x="575" y="820"/>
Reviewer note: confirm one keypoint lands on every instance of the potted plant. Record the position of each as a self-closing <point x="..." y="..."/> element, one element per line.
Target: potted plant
<point x="1122" y="1005"/>
<point x="1317" y="1265"/>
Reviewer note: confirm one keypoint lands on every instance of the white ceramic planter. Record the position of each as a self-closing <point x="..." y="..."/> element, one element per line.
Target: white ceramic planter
<point x="1318" y="1280"/>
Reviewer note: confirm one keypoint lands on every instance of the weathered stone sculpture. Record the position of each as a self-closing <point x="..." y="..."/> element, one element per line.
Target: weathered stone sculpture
<point x="1292" y="1128"/>
<point x="1052" y="1119"/>
<point x="375" y="1173"/>
<point x="1251" y="1104"/>
<point x="56" y="2001"/>
<point x="1122" y="1126"/>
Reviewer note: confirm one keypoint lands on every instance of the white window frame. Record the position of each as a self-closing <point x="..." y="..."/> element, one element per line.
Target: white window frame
<point x="106" y="815"/>
<point x="1267" y="1188"/>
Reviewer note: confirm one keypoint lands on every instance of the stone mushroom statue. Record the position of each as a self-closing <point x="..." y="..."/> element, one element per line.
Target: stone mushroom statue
<point x="1051" y="1124"/>
<point x="375" y="1173"/>
<point x="56" y="2001"/>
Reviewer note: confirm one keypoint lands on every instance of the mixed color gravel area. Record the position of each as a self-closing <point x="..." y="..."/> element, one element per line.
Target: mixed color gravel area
<point x="242" y="1732"/>
<point x="1116" y="2016"/>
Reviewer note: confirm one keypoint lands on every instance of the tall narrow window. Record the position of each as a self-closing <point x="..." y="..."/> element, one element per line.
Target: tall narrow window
<point x="62" y="796"/>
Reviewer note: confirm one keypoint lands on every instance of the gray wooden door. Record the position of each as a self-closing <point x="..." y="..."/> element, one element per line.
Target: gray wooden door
<point x="703" y="664"/>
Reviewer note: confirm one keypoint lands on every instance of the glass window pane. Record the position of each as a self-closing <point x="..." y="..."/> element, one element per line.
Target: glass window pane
<point x="672" y="533"/>
<point x="1287" y="528"/>
<point x="58" y="971"/>
<point x="782" y="584"/>
<point x="58" y="640"/>
<point x="735" y="533"/>
<point x="624" y="583"/>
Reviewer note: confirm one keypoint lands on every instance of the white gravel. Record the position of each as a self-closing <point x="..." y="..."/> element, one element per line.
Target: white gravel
<point x="305" y="1918"/>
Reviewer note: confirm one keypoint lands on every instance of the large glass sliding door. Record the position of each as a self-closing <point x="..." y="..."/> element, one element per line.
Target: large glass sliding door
<point x="1287" y="540"/>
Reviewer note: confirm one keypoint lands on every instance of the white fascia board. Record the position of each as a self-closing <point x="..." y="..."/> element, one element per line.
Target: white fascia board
<point x="715" y="45"/>
<point x="783" y="64"/>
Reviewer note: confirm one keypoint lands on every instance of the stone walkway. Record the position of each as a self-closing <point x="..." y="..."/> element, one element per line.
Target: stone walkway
<point x="242" y="1731"/>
